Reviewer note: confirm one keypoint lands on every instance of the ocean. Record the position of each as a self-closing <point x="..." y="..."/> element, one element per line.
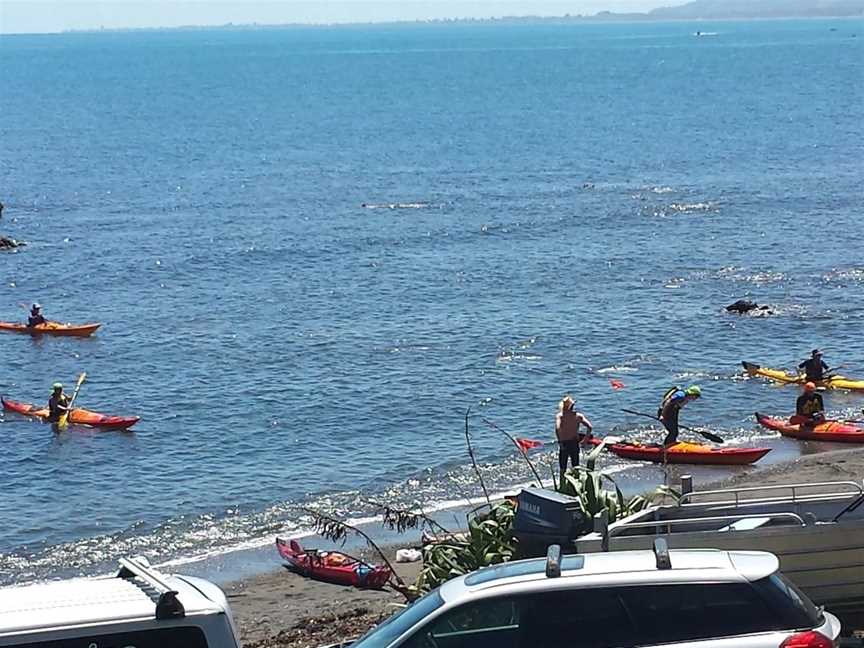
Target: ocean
<point x="313" y="249"/>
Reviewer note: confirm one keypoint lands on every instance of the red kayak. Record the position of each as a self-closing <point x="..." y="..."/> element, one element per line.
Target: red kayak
<point x="332" y="566"/>
<point x="78" y="416"/>
<point x="827" y="431"/>
<point x="685" y="453"/>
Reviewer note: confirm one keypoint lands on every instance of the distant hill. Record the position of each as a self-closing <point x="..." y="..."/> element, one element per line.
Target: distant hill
<point x="720" y="9"/>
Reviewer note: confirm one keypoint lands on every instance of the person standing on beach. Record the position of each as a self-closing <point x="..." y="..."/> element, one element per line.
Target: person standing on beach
<point x="815" y="367"/>
<point x="809" y="408"/>
<point x="567" y="424"/>
<point x="673" y="401"/>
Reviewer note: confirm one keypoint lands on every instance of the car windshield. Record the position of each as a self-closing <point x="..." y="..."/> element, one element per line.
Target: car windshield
<point x="397" y="625"/>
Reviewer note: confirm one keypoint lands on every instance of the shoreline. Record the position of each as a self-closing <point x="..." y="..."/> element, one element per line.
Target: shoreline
<point x="283" y="610"/>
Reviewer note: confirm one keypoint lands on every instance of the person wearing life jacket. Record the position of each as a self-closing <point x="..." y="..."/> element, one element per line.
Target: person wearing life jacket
<point x="809" y="408"/>
<point x="567" y="424"/>
<point x="815" y="367"/>
<point x="670" y="407"/>
<point x="58" y="404"/>
<point x="36" y="317"/>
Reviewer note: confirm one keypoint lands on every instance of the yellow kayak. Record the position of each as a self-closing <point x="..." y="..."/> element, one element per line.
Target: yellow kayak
<point x="780" y="376"/>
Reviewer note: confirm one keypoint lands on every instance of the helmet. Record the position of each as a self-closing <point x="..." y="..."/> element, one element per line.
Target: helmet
<point x="815" y="352"/>
<point x="809" y="387"/>
<point x="693" y="390"/>
<point x="37" y="306"/>
<point x="57" y="386"/>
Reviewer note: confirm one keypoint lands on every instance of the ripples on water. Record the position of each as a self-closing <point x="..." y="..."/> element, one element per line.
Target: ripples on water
<point x="546" y="209"/>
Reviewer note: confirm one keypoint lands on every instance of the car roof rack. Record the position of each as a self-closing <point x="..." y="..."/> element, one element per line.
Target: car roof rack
<point x="661" y="553"/>
<point x="168" y="606"/>
<point x="553" y="561"/>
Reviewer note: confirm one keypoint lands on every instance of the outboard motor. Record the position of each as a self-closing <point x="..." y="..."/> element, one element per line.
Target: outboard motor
<point x="544" y="518"/>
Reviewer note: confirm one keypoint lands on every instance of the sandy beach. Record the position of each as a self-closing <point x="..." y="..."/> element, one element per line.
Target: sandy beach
<point x="283" y="610"/>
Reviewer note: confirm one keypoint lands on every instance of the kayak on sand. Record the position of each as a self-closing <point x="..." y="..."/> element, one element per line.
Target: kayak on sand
<point x="826" y="431"/>
<point x="332" y="566"/>
<point x="684" y="453"/>
<point x="51" y="328"/>
<point x="78" y="416"/>
<point x="777" y="375"/>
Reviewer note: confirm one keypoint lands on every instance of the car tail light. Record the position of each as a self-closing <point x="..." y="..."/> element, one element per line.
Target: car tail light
<point x="810" y="639"/>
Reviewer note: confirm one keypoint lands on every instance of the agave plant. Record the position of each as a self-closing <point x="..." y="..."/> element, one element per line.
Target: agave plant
<point x="489" y="541"/>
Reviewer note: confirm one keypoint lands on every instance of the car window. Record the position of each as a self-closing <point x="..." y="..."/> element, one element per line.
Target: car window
<point x="491" y="623"/>
<point x="584" y="618"/>
<point x="400" y="623"/>
<point x="184" y="637"/>
<point x="795" y="608"/>
<point x="669" y="613"/>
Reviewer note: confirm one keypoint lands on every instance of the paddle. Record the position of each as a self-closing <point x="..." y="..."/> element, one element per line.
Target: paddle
<point x="832" y="372"/>
<point x="708" y="435"/>
<point x="63" y="421"/>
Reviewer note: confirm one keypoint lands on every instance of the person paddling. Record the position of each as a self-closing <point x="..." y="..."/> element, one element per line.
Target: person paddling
<point x="567" y="424"/>
<point x="36" y="317"/>
<point x="814" y="368"/>
<point x="673" y="400"/>
<point x="809" y="408"/>
<point x="58" y="403"/>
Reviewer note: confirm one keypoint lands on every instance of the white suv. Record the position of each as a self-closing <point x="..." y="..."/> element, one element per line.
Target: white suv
<point x="692" y="598"/>
<point x="137" y="608"/>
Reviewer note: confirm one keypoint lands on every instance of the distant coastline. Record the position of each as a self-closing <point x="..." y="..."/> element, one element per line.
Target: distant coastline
<point x="601" y="18"/>
<point x="697" y="10"/>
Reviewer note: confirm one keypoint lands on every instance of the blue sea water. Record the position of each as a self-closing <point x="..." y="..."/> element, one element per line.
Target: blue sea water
<point x="313" y="249"/>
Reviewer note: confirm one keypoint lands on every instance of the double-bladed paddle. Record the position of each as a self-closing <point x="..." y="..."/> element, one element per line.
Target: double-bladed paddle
<point x="63" y="421"/>
<point x="708" y="435"/>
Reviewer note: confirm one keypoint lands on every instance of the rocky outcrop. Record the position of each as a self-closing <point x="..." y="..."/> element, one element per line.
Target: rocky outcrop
<point x="9" y="243"/>
<point x="744" y="306"/>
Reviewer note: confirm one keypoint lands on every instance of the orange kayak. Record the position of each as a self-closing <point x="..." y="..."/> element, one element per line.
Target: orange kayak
<point x="51" y="328"/>
<point x="685" y="453"/>
<point x="826" y="431"/>
<point x="78" y="416"/>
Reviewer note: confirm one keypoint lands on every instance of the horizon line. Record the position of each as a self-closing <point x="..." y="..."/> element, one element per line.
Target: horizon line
<point x="599" y="17"/>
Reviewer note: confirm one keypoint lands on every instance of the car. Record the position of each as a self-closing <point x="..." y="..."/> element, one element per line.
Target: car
<point x="136" y="608"/>
<point x="689" y="598"/>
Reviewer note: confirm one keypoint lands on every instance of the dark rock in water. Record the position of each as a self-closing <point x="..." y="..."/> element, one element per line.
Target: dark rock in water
<point x="10" y="244"/>
<point x="744" y="306"/>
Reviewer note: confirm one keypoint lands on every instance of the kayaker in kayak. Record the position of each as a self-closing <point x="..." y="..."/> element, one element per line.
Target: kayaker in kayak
<point x="58" y="403"/>
<point x="567" y="424"/>
<point x="36" y="318"/>
<point x="670" y="407"/>
<point x="815" y="367"/>
<point x="809" y="408"/>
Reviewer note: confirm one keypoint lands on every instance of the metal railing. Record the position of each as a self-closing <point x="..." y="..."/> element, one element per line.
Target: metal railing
<point x="852" y="489"/>
<point x="626" y="526"/>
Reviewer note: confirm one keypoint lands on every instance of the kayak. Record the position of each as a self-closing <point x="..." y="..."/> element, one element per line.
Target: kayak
<point x="332" y="566"/>
<point x="78" y="416"/>
<point x="51" y="328"/>
<point x="777" y="375"/>
<point x="685" y="453"/>
<point x="827" y="431"/>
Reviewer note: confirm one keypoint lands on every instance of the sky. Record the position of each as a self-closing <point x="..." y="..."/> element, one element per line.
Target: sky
<point x="38" y="16"/>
